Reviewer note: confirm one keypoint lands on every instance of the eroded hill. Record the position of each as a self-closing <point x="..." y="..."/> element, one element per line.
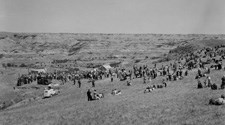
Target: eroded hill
<point x="95" y="47"/>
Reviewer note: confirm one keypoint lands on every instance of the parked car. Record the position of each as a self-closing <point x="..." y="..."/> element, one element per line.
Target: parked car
<point x="49" y="92"/>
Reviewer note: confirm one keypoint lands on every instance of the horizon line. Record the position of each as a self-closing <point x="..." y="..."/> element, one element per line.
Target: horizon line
<point x="114" y="33"/>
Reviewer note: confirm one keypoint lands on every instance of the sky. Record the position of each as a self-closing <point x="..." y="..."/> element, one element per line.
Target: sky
<point x="113" y="16"/>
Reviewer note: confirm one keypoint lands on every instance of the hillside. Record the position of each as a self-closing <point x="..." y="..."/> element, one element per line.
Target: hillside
<point x="73" y="44"/>
<point x="98" y="47"/>
<point x="179" y="103"/>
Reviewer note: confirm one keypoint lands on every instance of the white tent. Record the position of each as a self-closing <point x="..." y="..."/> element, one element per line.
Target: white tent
<point x="38" y="70"/>
<point x="107" y="66"/>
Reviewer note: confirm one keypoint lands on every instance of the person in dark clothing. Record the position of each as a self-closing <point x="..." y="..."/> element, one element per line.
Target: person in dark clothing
<point x="74" y="81"/>
<point x="111" y="79"/>
<point x="208" y="70"/>
<point x="200" y="84"/>
<point x="219" y="66"/>
<point x="223" y="82"/>
<point x="164" y="83"/>
<point x="214" y="86"/>
<point x="89" y="95"/>
<point x="79" y="83"/>
<point x="93" y="83"/>
<point x="186" y="73"/>
<point x="19" y="82"/>
<point x="174" y="77"/>
<point x="169" y="77"/>
<point x="199" y="73"/>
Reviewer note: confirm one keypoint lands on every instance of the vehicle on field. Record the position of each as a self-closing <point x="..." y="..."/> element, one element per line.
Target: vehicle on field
<point x="49" y="92"/>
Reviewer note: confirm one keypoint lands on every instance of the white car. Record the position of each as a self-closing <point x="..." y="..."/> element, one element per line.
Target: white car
<point x="50" y="92"/>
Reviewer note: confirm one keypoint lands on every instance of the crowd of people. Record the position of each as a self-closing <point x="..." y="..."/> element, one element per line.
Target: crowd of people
<point x="214" y="57"/>
<point x="180" y="68"/>
<point x="203" y="60"/>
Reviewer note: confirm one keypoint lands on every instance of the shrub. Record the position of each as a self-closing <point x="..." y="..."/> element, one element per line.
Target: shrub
<point x="137" y="61"/>
<point x="1" y="56"/>
<point x="9" y="64"/>
<point x="4" y="65"/>
<point x="23" y="65"/>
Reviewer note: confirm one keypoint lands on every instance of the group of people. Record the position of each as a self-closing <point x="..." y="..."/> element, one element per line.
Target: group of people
<point x="173" y="71"/>
<point x="167" y="72"/>
<point x="93" y="95"/>
<point x="45" y="78"/>
<point x="215" y="57"/>
<point x="180" y="68"/>
<point x="217" y="101"/>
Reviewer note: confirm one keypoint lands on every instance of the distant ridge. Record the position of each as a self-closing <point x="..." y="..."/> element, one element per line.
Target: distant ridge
<point x="92" y="45"/>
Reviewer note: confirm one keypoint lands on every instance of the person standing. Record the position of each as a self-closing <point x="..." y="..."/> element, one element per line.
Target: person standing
<point x="79" y="83"/>
<point x="93" y="83"/>
<point x="186" y="72"/>
<point x="89" y="95"/>
<point x="199" y="72"/>
<point x="223" y="82"/>
<point x="164" y="83"/>
<point x="130" y="74"/>
<point x="209" y="84"/>
<point x="111" y="78"/>
<point x="144" y="79"/>
<point x="74" y="81"/>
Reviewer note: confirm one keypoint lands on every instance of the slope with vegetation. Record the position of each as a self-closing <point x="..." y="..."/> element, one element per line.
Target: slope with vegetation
<point x="179" y="103"/>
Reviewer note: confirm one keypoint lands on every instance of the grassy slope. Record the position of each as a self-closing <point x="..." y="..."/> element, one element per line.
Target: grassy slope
<point x="180" y="103"/>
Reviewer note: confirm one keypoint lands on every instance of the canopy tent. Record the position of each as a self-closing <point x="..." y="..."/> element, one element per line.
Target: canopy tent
<point x="38" y="70"/>
<point x="107" y="66"/>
